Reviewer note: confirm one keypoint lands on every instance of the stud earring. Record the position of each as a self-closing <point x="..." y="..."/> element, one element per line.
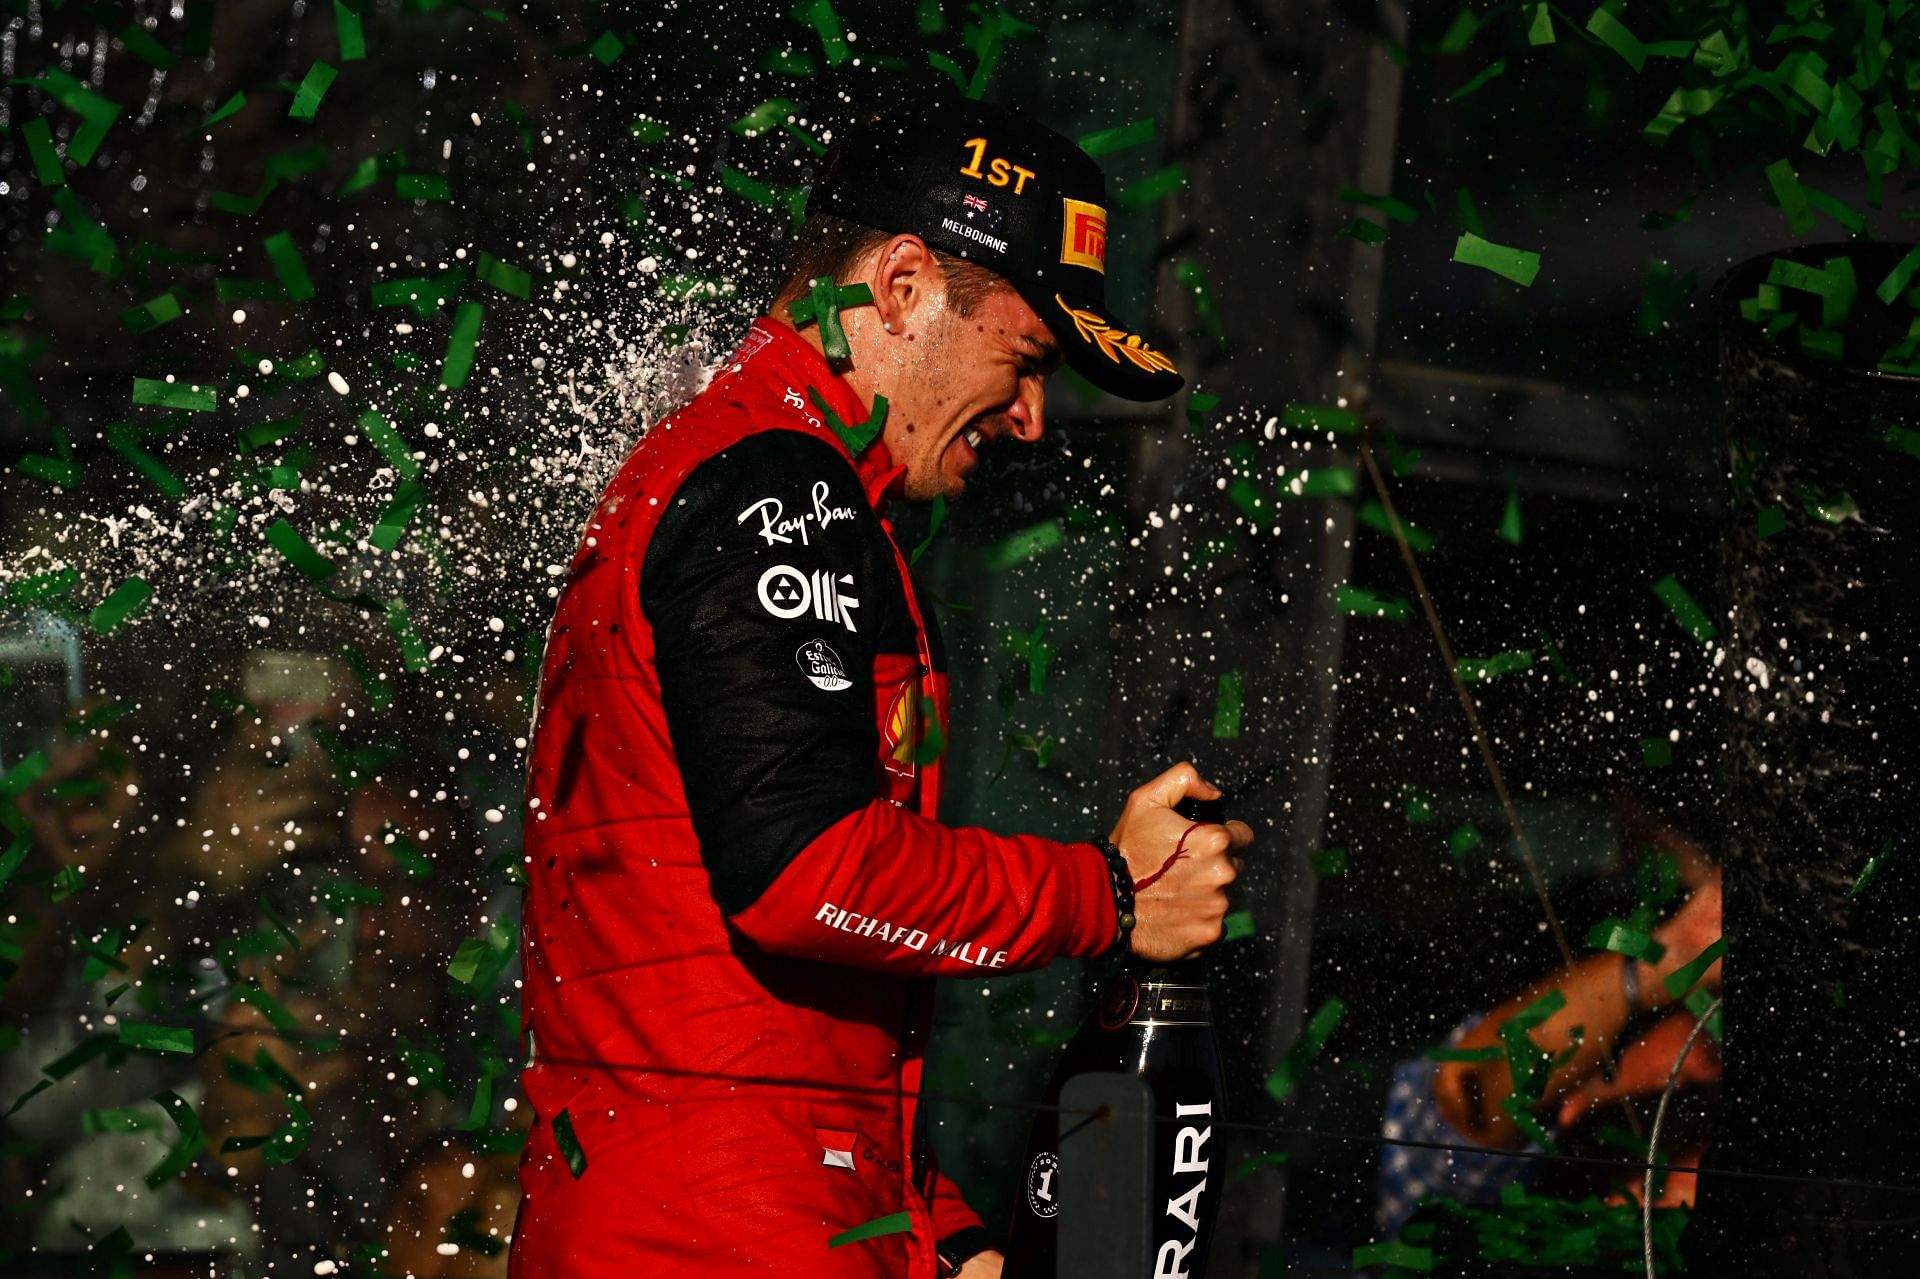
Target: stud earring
<point x="886" y="325"/>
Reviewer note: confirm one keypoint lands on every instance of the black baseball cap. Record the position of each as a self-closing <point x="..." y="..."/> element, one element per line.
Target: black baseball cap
<point x="993" y="185"/>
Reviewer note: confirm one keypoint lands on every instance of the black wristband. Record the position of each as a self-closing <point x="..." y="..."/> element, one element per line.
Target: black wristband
<point x="957" y="1249"/>
<point x="1122" y="876"/>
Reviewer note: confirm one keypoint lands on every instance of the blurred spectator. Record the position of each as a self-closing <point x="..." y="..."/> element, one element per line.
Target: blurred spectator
<point x="1613" y="1002"/>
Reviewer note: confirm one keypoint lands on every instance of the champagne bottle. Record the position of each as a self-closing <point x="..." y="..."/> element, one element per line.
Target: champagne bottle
<point x="1155" y="1024"/>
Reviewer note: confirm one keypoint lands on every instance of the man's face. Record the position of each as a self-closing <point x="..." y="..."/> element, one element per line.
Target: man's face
<point x="961" y="384"/>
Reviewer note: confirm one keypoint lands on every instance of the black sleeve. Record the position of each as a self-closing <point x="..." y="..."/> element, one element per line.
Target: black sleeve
<point x="761" y="588"/>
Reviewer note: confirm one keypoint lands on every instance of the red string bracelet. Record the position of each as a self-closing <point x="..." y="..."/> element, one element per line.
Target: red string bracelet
<point x="1179" y="851"/>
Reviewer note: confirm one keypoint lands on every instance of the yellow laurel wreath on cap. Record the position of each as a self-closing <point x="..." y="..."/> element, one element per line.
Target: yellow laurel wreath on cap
<point x="1115" y="343"/>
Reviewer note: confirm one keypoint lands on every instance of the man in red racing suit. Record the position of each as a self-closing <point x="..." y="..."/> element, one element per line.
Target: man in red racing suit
<point x="738" y="890"/>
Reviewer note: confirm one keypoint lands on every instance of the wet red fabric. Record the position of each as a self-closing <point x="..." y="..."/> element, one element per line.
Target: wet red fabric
<point x="741" y="1090"/>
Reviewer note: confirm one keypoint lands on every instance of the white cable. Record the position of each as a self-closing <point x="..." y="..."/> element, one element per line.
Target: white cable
<point x="1653" y="1143"/>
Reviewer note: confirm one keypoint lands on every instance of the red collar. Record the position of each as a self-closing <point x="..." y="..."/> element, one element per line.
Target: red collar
<point x="775" y="352"/>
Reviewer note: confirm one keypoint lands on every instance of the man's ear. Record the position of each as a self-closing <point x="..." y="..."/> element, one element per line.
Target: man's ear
<point x="902" y="275"/>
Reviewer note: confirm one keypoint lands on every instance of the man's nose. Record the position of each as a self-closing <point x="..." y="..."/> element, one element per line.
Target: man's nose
<point x="1028" y="414"/>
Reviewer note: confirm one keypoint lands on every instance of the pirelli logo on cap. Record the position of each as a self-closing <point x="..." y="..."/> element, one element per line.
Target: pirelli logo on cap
<point x="1083" y="236"/>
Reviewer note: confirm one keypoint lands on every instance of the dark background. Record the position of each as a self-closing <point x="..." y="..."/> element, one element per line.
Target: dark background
<point x="1588" y="399"/>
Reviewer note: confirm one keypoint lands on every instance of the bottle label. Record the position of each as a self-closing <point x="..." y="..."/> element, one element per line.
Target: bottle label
<point x="1043" y="1185"/>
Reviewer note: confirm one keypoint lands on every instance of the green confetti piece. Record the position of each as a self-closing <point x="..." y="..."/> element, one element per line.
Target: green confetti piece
<point x="1397" y="209"/>
<point x="938" y="517"/>
<point x="306" y="99"/>
<point x="143" y="46"/>
<point x="1610" y="31"/>
<point x="793" y="62"/>
<point x="423" y="295"/>
<point x="1419" y="806"/>
<point x="1528" y="1064"/>
<point x="1374" y="516"/>
<point x="1656" y="752"/>
<point x="1850" y="220"/>
<point x="504" y="276"/>
<point x="226" y="110"/>
<point x="569" y="1144"/>
<point x="1518" y="265"/>
<point x="1237" y="925"/>
<point x="1121" y="138"/>
<point x="1511" y="530"/>
<point x="1684" y="610"/>
<point x="393" y="522"/>
<point x="1459" y="33"/>
<point x="52" y="470"/>
<point x="1329" y="861"/>
<point x="127" y="599"/>
<point x="413" y="651"/>
<point x="192" y="1140"/>
<point x="46" y="160"/>
<point x="1393" y="1253"/>
<point x="379" y="691"/>
<point x="1313" y="1037"/>
<point x="1480" y="669"/>
<point x="421" y="186"/>
<point x="351" y="33"/>
<point x="1488" y="1053"/>
<point x="1199" y="404"/>
<point x="1793" y="201"/>
<point x="1337" y="481"/>
<point x="1365" y="230"/>
<point x="607" y="49"/>
<point x="15" y="854"/>
<point x="933" y="742"/>
<point x="928" y="18"/>
<point x="766" y="194"/>
<point x="1771" y="520"/>
<point x="855" y="438"/>
<point x="820" y="16"/>
<point x="1032" y="648"/>
<point x="1322" y="417"/>
<point x="647" y="132"/>
<point x="120" y="440"/>
<point x="822" y="304"/>
<point x="1153" y="188"/>
<point x="96" y="113"/>
<point x="1466" y="214"/>
<point x="38" y="589"/>
<point x="1624" y="939"/>
<point x="120" y="1119"/>
<point x="1540" y="30"/>
<point x="167" y="394"/>
<point x="388" y="441"/>
<point x="1018" y="548"/>
<point x="1872" y="869"/>
<point x="1358" y="601"/>
<point x="1688" y="975"/>
<point x="299" y="552"/>
<point x="288" y="266"/>
<point x="1465" y="838"/>
<point x="1227" y="706"/>
<point x="942" y="63"/>
<point x="152" y="1037"/>
<point x="1497" y="68"/>
<point x="256" y="996"/>
<point x="1681" y="105"/>
<point x="1251" y="499"/>
<point x="895" y="1223"/>
<point x="462" y="342"/>
<point x="152" y="314"/>
<point x="1897" y="279"/>
<point x="1698" y="1003"/>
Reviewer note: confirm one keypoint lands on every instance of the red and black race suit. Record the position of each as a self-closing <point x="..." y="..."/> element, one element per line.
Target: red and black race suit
<point x="738" y="889"/>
